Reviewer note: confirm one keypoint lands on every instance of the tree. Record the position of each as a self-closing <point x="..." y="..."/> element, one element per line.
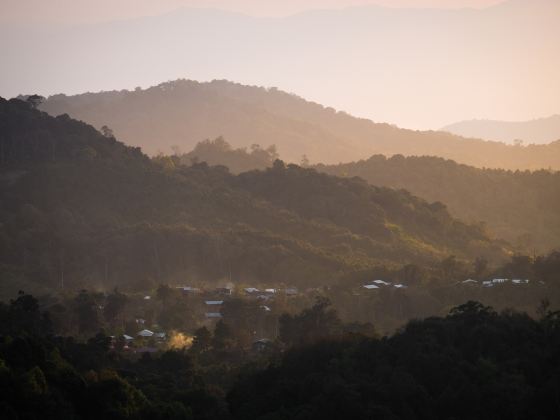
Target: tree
<point x="24" y="315"/>
<point x="107" y="132"/>
<point x="412" y="274"/>
<point x="114" y="306"/>
<point x="86" y="310"/>
<point x="223" y="337"/>
<point x="450" y="267"/>
<point x="472" y="309"/>
<point x="202" y="340"/>
<point x="311" y="325"/>
<point x="164" y="293"/>
<point x="480" y="266"/>
<point x="35" y="100"/>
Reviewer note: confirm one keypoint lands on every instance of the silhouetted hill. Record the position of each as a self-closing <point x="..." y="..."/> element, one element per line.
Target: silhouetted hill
<point x="79" y="208"/>
<point x="539" y="131"/>
<point x="521" y="207"/>
<point x="182" y="113"/>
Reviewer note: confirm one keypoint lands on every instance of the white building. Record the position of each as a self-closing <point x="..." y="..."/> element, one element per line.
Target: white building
<point x="145" y="333"/>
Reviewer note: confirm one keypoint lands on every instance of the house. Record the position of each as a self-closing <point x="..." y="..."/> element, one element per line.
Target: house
<point x="520" y="281"/>
<point x="251" y="290"/>
<point x="265" y="308"/>
<point x="400" y="286"/>
<point x="145" y="333"/>
<point x="147" y="297"/>
<point x="469" y="281"/>
<point x="291" y="291"/>
<point x="214" y="302"/>
<point x="262" y="344"/>
<point x="499" y="281"/>
<point x="160" y="335"/>
<point x="189" y="290"/>
<point x="382" y="282"/>
<point x="127" y="338"/>
<point x="224" y="291"/>
<point x="270" y="291"/>
<point x="487" y="283"/>
<point x="213" y="315"/>
<point x="370" y="286"/>
<point x="140" y="321"/>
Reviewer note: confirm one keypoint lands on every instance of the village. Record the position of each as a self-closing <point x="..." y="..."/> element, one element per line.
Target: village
<point x="254" y="309"/>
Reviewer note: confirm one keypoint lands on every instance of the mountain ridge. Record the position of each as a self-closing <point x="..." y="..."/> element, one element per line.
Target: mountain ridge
<point x="85" y="207"/>
<point x="184" y="112"/>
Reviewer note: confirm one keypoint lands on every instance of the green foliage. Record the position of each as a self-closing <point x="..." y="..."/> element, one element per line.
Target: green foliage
<point x="521" y="207"/>
<point x="219" y="152"/>
<point x="81" y="209"/>
<point x="474" y="363"/>
<point x="313" y="324"/>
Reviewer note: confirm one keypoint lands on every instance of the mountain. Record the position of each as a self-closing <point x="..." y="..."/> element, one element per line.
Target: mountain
<point x="520" y="207"/>
<point x="183" y="112"/>
<point x="417" y="68"/>
<point x="539" y="131"/>
<point x="80" y="209"/>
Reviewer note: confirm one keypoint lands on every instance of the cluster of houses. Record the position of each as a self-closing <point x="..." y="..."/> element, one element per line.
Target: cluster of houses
<point x="494" y="282"/>
<point x="213" y="300"/>
<point x="210" y="304"/>
<point x="378" y="284"/>
<point x="156" y="339"/>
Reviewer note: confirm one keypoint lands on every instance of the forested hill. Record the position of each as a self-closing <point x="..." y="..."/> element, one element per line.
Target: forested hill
<point x="521" y="207"/>
<point x="81" y="209"/>
<point x="183" y="112"/>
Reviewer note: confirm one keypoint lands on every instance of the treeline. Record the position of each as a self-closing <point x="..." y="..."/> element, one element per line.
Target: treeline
<point x="53" y="377"/>
<point x="97" y="213"/>
<point x="220" y="152"/>
<point x="433" y="289"/>
<point x="472" y="363"/>
<point x="521" y="207"/>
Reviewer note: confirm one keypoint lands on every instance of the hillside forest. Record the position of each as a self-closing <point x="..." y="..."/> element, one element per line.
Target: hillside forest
<point x="225" y="283"/>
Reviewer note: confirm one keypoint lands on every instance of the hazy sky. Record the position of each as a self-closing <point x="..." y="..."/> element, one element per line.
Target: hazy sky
<point x="74" y="11"/>
<point x="414" y="68"/>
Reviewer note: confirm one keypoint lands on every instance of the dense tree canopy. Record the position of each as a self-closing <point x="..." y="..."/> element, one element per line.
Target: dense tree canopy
<point x="522" y="207"/>
<point x="80" y="208"/>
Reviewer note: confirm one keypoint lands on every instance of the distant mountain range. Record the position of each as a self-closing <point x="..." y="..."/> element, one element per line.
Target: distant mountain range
<point x="538" y="131"/>
<point x="183" y="112"/>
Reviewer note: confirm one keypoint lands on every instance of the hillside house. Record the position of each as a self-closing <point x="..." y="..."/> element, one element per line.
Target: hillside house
<point x="145" y="333"/>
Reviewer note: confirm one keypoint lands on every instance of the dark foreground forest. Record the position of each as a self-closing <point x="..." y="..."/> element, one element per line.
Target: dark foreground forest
<point x="473" y="363"/>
